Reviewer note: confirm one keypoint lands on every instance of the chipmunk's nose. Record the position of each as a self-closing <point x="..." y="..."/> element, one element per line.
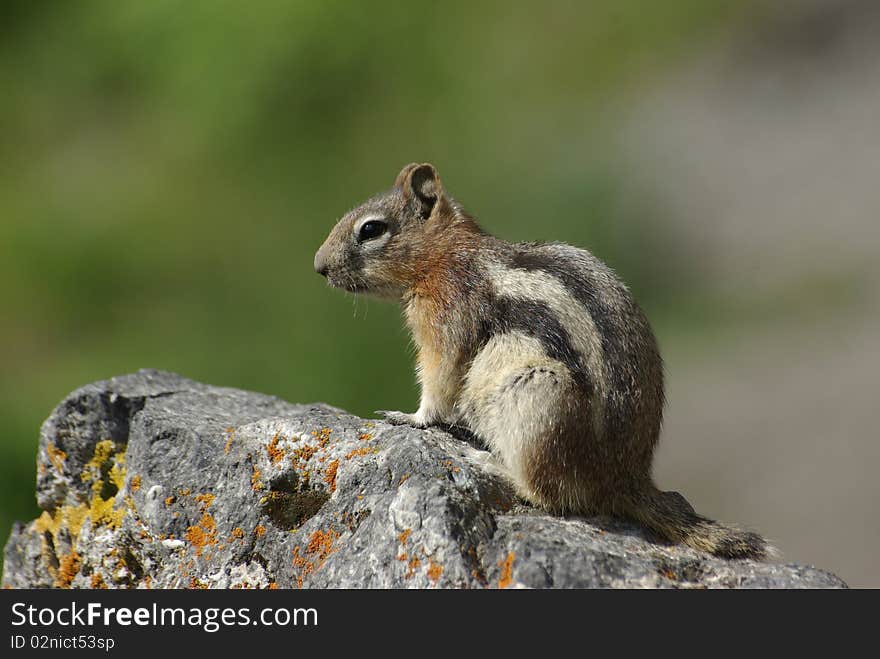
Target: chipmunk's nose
<point x="321" y="266"/>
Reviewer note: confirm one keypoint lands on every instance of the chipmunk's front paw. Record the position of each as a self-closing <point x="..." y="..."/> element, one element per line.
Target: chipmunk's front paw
<point x="402" y="419"/>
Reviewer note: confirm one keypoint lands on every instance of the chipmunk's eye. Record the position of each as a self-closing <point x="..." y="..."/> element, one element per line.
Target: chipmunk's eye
<point x="371" y="229"/>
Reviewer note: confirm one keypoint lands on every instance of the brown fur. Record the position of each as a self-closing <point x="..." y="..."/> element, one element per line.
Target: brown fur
<point x="593" y="455"/>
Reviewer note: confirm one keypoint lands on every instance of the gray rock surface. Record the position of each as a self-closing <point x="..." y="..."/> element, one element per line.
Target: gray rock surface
<point x="155" y="481"/>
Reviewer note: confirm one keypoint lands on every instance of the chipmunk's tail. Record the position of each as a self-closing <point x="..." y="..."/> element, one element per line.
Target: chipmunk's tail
<point x="670" y="515"/>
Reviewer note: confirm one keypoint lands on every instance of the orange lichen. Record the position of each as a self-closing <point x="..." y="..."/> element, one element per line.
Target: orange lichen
<point x="330" y="475"/>
<point x="450" y="466"/>
<point x="203" y="535"/>
<point x="237" y="533"/>
<point x="318" y="548"/>
<point x="322" y="435"/>
<point x="205" y="501"/>
<point x="506" y="571"/>
<point x="56" y="457"/>
<point x="230" y="435"/>
<point x="301" y="456"/>
<point x="321" y="542"/>
<point x="414" y="563"/>
<point x="68" y="567"/>
<point x="256" y="483"/>
<point x="434" y="570"/>
<point x="403" y="479"/>
<point x="259" y="530"/>
<point x="365" y="437"/>
<point x="184" y="492"/>
<point x="272" y="586"/>
<point x="275" y="453"/>
<point x="169" y="501"/>
<point x="97" y="581"/>
<point x="135" y="483"/>
<point x="403" y="537"/>
<point x="196" y="584"/>
<point x="364" y="450"/>
<point x="303" y="453"/>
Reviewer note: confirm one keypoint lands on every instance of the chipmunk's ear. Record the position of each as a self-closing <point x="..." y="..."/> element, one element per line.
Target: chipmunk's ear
<point x="421" y="185"/>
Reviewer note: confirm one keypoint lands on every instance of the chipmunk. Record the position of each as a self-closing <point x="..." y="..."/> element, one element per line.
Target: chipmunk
<point x="537" y="349"/>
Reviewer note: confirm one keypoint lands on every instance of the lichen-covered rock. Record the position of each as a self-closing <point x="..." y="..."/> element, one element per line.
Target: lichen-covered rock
<point x="155" y="481"/>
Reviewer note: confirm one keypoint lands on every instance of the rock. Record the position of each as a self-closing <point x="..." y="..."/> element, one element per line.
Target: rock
<point x="155" y="481"/>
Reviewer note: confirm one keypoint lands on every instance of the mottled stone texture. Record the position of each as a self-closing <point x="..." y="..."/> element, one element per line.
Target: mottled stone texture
<point x="155" y="481"/>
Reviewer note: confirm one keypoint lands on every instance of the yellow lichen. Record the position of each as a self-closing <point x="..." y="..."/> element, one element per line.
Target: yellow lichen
<point x="103" y="452"/>
<point x="117" y="472"/>
<point x="104" y="513"/>
<point x="99" y="510"/>
<point x="69" y="517"/>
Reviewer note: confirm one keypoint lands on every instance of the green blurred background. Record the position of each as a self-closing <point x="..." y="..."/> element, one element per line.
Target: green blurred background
<point x="167" y="171"/>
